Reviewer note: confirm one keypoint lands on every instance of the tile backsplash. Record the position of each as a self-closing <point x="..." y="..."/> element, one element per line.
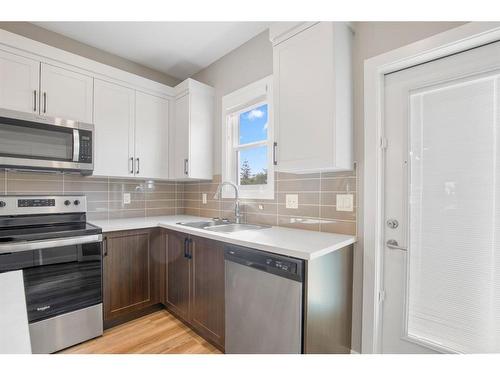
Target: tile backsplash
<point x="316" y="198"/>
<point x="104" y="194"/>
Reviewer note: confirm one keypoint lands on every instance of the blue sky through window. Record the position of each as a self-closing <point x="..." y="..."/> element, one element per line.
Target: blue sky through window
<point x="253" y="125"/>
<point x="253" y="128"/>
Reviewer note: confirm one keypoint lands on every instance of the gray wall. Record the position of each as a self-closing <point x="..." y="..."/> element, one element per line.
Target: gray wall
<point x="253" y="60"/>
<point x="53" y="39"/>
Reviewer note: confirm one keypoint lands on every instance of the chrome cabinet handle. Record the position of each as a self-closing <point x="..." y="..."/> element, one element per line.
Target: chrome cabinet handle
<point x="138" y="166"/>
<point x="44" y="102"/>
<point x="393" y="244"/>
<point x="186" y="166"/>
<point x="275" y="146"/>
<point x="34" y="100"/>
<point x="131" y="165"/>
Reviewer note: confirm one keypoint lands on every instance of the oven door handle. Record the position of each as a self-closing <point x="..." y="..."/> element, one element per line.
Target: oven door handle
<point x="15" y="247"/>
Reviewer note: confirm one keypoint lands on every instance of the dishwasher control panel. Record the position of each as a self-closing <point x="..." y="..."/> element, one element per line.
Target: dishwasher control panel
<point x="290" y="268"/>
<point x="282" y="265"/>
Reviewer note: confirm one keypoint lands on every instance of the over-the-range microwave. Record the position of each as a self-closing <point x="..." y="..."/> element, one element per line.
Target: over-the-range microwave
<point x="34" y="142"/>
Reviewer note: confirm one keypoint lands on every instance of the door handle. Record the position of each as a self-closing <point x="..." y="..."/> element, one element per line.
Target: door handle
<point x="44" y="102"/>
<point x="34" y="100"/>
<point x="190" y="249"/>
<point x="393" y="244"/>
<point x="138" y="166"/>
<point x="186" y="166"/>
<point x="275" y="160"/>
<point x="186" y="248"/>
<point x="105" y="245"/>
<point x="131" y="165"/>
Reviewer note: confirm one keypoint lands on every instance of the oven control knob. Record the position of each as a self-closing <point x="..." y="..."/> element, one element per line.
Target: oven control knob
<point x="2" y="204"/>
<point x="76" y="202"/>
<point x="67" y="202"/>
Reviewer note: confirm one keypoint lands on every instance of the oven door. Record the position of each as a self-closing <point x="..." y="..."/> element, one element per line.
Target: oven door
<point x="31" y="142"/>
<point x="60" y="276"/>
<point x="63" y="279"/>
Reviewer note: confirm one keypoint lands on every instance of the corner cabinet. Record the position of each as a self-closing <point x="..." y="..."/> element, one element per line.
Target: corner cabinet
<point x="195" y="284"/>
<point x="131" y="132"/>
<point x="191" y="136"/>
<point x="313" y="110"/>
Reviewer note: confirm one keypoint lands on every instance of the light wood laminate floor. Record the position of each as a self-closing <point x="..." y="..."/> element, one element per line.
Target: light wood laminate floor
<point x="159" y="332"/>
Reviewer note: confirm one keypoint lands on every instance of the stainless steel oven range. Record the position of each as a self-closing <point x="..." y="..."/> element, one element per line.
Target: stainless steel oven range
<point x="60" y="254"/>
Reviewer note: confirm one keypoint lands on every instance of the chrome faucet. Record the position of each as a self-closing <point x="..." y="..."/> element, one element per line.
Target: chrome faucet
<point x="218" y="195"/>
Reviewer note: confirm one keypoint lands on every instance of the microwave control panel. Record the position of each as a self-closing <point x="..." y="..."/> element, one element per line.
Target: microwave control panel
<point x="85" y="147"/>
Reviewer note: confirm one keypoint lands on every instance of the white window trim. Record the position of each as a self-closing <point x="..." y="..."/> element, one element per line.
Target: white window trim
<point x="253" y="94"/>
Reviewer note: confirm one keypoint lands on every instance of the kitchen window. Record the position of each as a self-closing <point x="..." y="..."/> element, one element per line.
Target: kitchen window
<point x="247" y="146"/>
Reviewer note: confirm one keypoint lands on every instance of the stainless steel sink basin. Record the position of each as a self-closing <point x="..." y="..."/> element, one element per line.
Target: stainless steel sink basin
<point x="228" y="228"/>
<point x="222" y="226"/>
<point x="199" y="224"/>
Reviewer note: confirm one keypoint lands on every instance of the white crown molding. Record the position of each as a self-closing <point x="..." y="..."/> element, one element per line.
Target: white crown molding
<point x="30" y="48"/>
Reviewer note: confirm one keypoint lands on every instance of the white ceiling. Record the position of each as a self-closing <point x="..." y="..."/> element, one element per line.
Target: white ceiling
<point x="178" y="49"/>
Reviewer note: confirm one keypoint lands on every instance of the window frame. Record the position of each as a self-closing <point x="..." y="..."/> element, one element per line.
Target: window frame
<point x="233" y="105"/>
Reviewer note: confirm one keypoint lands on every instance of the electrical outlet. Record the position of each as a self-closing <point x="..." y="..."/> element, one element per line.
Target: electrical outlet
<point x="126" y="198"/>
<point x="345" y="202"/>
<point x="204" y="198"/>
<point x="292" y="200"/>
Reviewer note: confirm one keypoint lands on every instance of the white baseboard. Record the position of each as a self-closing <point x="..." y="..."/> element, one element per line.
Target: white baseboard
<point x="354" y="352"/>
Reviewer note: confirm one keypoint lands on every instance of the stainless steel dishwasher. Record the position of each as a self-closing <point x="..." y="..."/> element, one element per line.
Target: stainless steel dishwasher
<point x="263" y="302"/>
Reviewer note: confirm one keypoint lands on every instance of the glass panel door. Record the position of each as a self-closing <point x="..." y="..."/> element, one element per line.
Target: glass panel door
<point x="453" y="296"/>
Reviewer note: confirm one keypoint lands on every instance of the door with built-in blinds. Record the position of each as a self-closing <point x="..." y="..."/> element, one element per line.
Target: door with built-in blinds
<point x="441" y="259"/>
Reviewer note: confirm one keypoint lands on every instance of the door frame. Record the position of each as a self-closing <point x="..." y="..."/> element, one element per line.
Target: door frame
<point x="456" y="40"/>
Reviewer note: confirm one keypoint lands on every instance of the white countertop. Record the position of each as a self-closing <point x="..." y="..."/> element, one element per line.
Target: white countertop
<point x="298" y="243"/>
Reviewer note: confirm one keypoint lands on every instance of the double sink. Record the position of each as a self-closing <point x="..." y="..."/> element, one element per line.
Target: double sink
<point x="222" y="226"/>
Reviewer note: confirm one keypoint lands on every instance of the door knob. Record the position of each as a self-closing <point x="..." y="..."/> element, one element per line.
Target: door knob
<point x="393" y="244"/>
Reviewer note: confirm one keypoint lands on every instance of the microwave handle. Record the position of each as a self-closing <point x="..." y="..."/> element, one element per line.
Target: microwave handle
<point x="76" y="145"/>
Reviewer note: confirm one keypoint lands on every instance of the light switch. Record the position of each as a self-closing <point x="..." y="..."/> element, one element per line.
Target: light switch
<point x="292" y="200"/>
<point x="126" y="198"/>
<point x="345" y="202"/>
<point x="204" y="198"/>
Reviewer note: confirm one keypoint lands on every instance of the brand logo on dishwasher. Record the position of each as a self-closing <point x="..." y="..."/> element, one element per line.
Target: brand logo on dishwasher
<point x="43" y="308"/>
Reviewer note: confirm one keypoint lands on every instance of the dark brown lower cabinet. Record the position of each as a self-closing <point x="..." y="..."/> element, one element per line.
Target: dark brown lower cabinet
<point x="134" y="275"/>
<point x="195" y="284"/>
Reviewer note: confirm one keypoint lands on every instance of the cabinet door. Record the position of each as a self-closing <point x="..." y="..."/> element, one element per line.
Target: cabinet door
<point x="66" y="94"/>
<point x="304" y="99"/>
<point x="151" y="136"/>
<point x="180" y="141"/>
<point x="127" y="273"/>
<point x="19" y="79"/>
<point x="207" y="311"/>
<point x="178" y="275"/>
<point x="114" y="129"/>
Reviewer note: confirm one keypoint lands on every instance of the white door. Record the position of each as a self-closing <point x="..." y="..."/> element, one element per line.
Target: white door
<point x="66" y="94"/>
<point x="114" y="115"/>
<point x="304" y="92"/>
<point x="180" y="140"/>
<point x="151" y="136"/>
<point x="19" y="80"/>
<point x="442" y="168"/>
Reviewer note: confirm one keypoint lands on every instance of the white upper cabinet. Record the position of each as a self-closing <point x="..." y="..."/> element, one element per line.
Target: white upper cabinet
<point x="114" y="118"/>
<point x="151" y="136"/>
<point x="19" y="80"/>
<point x="312" y="96"/>
<point x="65" y="94"/>
<point x="131" y="132"/>
<point x="191" y="136"/>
